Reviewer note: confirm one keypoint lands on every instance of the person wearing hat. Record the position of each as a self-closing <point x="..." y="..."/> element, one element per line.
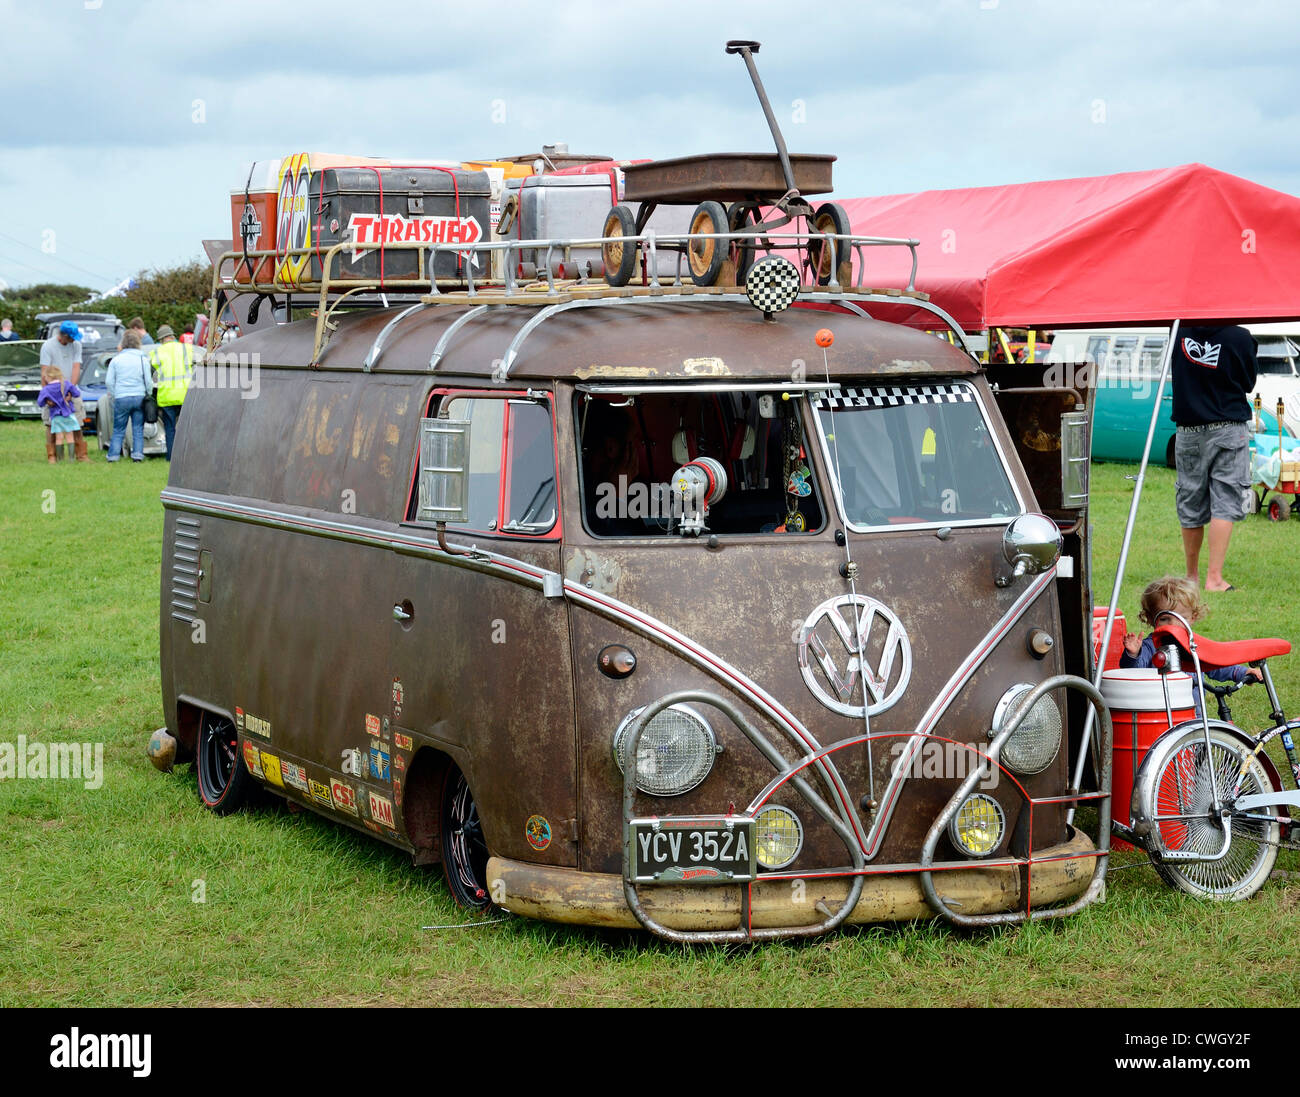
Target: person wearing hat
<point x="63" y="352"/>
<point x="174" y="362"/>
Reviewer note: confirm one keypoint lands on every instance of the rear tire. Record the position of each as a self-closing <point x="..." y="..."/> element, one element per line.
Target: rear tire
<point x="619" y="259"/>
<point x="1183" y="787"/>
<point x="741" y="217"/>
<point x="1171" y="461"/>
<point x="464" y="849"/>
<point x="224" y="782"/>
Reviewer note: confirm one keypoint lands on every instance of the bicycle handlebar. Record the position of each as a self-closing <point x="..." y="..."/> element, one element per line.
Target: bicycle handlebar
<point x="1226" y="689"/>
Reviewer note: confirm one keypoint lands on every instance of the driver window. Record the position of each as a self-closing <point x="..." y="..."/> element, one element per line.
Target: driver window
<point x="511" y="464"/>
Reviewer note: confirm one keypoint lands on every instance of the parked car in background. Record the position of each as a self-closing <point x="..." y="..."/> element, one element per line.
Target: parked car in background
<point x="20" y="379"/>
<point x="94" y="370"/>
<point x="155" y="440"/>
<point x="1127" y="361"/>
<point x="99" y="330"/>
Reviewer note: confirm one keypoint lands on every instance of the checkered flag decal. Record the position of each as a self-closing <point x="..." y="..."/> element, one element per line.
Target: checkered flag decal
<point x="773" y="283"/>
<point x="893" y="396"/>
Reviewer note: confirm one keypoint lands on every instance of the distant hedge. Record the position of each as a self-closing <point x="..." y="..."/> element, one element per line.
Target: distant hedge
<point x="173" y="297"/>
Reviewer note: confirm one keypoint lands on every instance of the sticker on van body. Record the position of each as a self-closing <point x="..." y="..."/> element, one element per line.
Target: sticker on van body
<point x="271" y="769"/>
<point x="537" y="831"/>
<point x="254" y="725"/>
<point x="379" y="759"/>
<point x="320" y="792"/>
<point x="294" y="775"/>
<point x="345" y="799"/>
<point x="251" y="759"/>
<point x="381" y="810"/>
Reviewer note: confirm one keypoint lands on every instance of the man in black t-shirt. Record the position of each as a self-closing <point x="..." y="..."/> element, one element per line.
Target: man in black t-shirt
<point x="1214" y="372"/>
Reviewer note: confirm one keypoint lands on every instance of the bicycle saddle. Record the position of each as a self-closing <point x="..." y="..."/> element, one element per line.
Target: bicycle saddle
<point x="1220" y="653"/>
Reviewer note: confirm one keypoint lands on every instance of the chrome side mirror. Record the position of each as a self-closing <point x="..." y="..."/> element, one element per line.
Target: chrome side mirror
<point x="1031" y="545"/>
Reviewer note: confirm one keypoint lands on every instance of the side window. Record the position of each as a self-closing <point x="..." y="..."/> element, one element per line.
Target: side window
<point x="487" y="419"/>
<point x="1153" y="352"/>
<point x="1123" y="355"/>
<point x="511" y="464"/>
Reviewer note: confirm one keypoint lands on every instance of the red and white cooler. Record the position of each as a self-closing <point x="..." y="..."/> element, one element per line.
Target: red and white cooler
<point x="1136" y="699"/>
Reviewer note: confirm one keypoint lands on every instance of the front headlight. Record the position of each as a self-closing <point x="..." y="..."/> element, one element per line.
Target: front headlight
<point x="674" y="754"/>
<point x="1035" y="743"/>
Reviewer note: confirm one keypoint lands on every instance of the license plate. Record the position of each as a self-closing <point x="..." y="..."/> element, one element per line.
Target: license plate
<point x="711" y="849"/>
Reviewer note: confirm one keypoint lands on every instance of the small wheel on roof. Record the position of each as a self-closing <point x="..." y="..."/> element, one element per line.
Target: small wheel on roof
<point x="831" y="218"/>
<point x="705" y="256"/>
<point x="742" y="217"/>
<point x="619" y="259"/>
<point x="1279" y="508"/>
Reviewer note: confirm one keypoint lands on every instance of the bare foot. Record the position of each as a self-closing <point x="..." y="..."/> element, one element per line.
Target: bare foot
<point x="1221" y="585"/>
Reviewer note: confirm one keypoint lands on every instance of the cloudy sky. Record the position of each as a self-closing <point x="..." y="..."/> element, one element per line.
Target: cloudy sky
<point x="126" y="123"/>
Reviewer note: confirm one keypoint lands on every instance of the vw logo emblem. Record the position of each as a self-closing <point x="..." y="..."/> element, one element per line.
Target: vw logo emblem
<point x="871" y="646"/>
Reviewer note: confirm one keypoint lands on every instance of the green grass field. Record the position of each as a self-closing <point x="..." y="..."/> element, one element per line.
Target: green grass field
<point x="98" y="887"/>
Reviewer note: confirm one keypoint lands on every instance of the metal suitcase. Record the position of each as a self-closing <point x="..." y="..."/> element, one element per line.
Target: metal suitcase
<point x="573" y="204"/>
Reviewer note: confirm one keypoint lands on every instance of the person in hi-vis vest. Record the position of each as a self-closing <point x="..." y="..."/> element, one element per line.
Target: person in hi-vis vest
<point x="174" y="363"/>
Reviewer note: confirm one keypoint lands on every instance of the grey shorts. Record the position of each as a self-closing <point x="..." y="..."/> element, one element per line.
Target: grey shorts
<point x="1213" y="474"/>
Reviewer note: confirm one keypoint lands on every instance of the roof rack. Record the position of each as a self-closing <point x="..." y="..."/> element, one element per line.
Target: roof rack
<point x="543" y="280"/>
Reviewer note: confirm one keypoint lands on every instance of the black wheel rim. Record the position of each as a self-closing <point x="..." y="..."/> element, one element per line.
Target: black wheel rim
<point x="467" y="853"/>
<point x="218" y="750"/>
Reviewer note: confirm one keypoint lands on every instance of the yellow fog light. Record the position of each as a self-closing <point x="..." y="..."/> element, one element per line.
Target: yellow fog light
<point x="779" y="837"/>
<point x="978" y="826"/>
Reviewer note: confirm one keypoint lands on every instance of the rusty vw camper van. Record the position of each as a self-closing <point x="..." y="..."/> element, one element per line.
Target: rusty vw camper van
<point x="663" y="606"/>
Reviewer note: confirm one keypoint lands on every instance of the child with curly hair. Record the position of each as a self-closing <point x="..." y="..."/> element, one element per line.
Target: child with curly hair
<point x="1177" y="594"/>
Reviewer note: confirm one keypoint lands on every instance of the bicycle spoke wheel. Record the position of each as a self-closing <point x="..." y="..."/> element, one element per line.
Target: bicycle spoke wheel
<point x="1184" y="791"/>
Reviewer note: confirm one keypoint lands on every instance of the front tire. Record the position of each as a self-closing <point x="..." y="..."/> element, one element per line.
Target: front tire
<point x="464" y="849"/>
<point x="1183" y="793"/>
<point x="224" y="783"/>
<point x="832" y="220"/>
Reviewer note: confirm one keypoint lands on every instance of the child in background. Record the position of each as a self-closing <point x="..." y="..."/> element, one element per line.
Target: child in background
<point x="1179" y="594"/>
<point x="63" y="419"/>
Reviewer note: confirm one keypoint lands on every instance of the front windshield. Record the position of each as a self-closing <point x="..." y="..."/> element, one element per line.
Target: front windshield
<point x="915" y="455"/>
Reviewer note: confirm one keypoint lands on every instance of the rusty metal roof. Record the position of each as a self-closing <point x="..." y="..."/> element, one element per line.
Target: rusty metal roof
<point x="630" y="340"/>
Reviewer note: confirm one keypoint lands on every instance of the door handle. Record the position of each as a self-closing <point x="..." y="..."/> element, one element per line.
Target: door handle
<point x="399" y="614"/>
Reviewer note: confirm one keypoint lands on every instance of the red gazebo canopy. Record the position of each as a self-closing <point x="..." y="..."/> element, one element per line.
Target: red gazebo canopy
<point x="1188" y="242"/>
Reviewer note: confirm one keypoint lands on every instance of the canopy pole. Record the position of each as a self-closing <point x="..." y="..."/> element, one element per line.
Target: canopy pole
<point x="1123" y="553"/>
